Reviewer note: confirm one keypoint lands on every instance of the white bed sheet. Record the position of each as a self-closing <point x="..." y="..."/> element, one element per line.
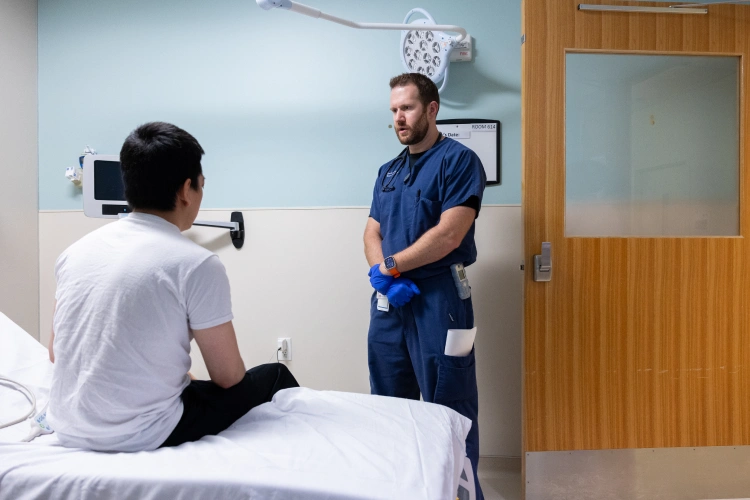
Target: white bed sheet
<point x="305" y="444"/>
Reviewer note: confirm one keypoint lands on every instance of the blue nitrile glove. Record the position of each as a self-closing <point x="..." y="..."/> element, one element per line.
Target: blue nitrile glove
<point x="379" y="281"/>
<point x="401" y="291"/>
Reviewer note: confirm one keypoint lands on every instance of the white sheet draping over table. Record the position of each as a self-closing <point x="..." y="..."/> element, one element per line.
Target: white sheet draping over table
<point x="305" y="444"/>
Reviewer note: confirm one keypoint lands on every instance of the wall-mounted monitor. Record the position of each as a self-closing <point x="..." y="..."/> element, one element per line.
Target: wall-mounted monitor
<point x="103" y="190"/>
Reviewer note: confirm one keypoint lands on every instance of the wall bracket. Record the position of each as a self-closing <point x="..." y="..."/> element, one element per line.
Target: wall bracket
<point x="236" y="227"/>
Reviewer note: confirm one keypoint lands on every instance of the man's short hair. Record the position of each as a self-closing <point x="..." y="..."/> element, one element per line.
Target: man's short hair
<point x="156" y="159"/>
<point x="427" y="89"/>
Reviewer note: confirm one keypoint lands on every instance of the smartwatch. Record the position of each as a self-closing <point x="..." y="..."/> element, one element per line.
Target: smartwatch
<point x="390" y="266"/>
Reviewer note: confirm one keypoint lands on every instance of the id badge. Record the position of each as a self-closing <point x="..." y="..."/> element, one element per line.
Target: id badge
<point x="383" y="304"/>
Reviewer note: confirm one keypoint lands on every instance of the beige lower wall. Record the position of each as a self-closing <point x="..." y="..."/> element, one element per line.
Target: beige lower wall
<point x="19" y="266"/>
<point x="302" y="274"/>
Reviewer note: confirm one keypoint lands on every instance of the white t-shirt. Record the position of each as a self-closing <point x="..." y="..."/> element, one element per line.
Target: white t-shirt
<point x="127" y="296"/>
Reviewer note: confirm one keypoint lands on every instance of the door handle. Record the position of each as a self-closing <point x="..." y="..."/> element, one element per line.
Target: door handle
<point x="543" y="263"/>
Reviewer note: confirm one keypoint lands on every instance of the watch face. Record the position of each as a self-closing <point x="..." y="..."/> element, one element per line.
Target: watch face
<point x="390" y="263"/>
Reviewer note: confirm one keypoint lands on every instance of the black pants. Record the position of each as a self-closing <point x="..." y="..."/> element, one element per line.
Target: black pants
<point x="209" y="409"/>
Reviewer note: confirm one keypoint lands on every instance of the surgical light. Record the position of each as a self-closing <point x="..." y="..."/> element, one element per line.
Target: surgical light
<point x="426" y="51"/>
<point x="425" y="47"/>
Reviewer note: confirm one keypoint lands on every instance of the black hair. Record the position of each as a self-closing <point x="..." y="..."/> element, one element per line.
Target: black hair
<point x="156" y="159"/>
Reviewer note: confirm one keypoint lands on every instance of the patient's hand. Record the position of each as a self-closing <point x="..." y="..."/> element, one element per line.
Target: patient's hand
<point x="192" y="377"/>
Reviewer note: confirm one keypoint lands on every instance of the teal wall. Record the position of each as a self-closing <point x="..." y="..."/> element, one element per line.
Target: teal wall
<point x="292" y="111"/>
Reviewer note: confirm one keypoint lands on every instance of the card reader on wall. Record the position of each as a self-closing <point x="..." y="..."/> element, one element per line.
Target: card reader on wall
<point x="104" y="196"/>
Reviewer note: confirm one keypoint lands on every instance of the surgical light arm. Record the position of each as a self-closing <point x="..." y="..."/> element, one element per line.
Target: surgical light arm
<point x="315" y="13"/>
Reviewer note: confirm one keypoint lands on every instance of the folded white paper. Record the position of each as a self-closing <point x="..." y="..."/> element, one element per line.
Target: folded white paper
<point x="460" y="342"/>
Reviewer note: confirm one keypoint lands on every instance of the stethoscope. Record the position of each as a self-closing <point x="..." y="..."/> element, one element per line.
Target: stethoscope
<point x="388" y="178"/>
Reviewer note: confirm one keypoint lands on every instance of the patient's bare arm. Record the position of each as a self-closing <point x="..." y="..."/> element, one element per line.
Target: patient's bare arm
<point x="221" y="354"/>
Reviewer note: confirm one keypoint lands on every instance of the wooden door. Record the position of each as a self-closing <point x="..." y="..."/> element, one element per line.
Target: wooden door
<point x="636" y="342"/>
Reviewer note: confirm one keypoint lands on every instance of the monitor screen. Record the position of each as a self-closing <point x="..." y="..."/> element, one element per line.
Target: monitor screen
<point x="108" y="184"/>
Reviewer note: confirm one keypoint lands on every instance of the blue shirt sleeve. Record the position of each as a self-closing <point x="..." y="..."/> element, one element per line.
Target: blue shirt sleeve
<point x="465" y="178"/>
<point x="375" y="206"/>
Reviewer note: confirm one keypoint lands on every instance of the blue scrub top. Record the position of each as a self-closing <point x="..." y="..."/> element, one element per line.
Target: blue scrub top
<point x="445" y="176"/>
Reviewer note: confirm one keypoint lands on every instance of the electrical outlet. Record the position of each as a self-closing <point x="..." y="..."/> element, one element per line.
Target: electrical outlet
<point x="284" y="345"/>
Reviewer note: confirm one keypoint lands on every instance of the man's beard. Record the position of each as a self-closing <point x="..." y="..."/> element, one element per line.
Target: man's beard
<point x="418" y="133"/>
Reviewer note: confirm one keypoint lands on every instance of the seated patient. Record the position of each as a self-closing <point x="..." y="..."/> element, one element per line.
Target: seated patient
<point x="130" y="297"/>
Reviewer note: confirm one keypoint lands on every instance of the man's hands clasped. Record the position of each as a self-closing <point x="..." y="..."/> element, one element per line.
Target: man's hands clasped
<point x="379" y="281"/>
<point x="398" y="290"/>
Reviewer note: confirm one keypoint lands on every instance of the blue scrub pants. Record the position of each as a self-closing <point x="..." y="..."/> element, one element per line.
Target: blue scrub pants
<point x="406" y="354"/>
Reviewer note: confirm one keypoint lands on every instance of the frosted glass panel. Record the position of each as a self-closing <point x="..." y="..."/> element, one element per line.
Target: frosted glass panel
<point x="651" y="145"/>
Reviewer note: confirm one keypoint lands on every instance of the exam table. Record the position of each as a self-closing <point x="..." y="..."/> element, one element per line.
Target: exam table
<point x="305" y="444"/>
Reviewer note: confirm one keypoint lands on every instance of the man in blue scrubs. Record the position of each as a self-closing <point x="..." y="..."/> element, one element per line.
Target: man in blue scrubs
<point x="421" y="222"/>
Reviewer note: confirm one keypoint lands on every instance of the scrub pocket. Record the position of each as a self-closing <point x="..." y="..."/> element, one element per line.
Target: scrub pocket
<point x="457" y="378"/>
<point x="426" y="216"/>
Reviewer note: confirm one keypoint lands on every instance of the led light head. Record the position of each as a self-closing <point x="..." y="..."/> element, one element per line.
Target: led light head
<point x="426" y="52"/>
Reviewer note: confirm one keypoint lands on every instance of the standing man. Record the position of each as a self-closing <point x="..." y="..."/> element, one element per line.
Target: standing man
<point x="421" y="223"/>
